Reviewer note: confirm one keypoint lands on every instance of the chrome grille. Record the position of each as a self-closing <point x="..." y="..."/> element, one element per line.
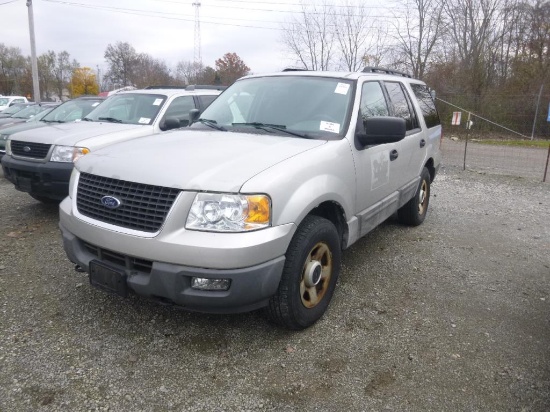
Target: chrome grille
<point x="142" y="207"/>
<point x="27" y="149"/>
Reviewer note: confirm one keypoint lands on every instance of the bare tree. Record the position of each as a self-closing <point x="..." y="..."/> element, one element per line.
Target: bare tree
<point x="353" y="32"/>
<point x="151" y="72"/>
<point x="122" y="59"/>
<point x="418" y="29"/>
<point x="310" y="37"/>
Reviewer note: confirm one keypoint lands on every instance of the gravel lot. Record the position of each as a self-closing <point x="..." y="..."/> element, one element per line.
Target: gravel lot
<point x="452" y="315"/>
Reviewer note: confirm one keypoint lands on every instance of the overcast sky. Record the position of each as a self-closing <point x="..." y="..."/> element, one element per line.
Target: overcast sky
<point x="164" y="29"/>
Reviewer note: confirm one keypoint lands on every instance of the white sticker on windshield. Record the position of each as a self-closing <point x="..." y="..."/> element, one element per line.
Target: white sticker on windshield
<point x="95" y="104"/>
<point x="330" y="127"/>
<point x="157" y="102"/>
<point x="144" y="120"/>
<point x="342" y="88"/>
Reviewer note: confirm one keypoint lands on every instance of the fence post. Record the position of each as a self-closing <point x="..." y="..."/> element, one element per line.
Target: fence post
<point x="467" y="135"/>
<point x="546" y="168"/>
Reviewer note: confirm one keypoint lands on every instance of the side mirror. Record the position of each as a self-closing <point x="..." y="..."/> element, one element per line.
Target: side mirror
<point x="194" y="114"/>
<point x="383" y="129"/>
<point x="171" y="123"/>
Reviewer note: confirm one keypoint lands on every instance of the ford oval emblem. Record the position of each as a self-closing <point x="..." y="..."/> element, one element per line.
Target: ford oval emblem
<point x="26" y="149"/>
<point x="110" y="202"/>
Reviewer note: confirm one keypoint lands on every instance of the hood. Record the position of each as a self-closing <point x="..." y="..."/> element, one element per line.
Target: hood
<point x="10" y="121"/>
<point x="194" y="160"/>
<point x="85" y="134"/>
<point x="20" y="127"/>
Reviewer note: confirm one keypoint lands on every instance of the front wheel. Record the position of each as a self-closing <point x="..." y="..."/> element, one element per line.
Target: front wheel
<point x="309" y="277"/>
<point x="414" y="211"/>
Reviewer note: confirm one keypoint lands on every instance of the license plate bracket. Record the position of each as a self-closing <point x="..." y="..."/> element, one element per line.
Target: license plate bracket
<point x="24" y="184"/>
<point x="108" y="279"/>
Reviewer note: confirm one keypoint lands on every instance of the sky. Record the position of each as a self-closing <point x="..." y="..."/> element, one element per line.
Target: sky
<point x="164" y="29"/>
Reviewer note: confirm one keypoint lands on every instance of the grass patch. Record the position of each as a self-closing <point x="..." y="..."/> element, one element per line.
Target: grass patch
<point x="518" y="143"/>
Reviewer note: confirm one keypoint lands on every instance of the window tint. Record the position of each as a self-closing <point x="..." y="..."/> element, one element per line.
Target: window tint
<point x="401" y="106"/>
<point x="427" y="105"/>
<point x="373" y="102"/>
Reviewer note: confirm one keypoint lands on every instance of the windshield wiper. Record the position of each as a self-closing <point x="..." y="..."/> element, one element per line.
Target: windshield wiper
<point x="110" y="119"/>
<point x="278" y="127"/>
<point x="213" y="124"/>
<point x="87" y="119"/>
<point x="53" y="121"/>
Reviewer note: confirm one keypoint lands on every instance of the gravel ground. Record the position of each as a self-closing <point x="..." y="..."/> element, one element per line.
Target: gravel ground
<point x="451" y="315"/>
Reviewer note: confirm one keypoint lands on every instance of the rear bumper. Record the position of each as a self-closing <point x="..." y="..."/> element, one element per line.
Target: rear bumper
<point x="49" y="179"/>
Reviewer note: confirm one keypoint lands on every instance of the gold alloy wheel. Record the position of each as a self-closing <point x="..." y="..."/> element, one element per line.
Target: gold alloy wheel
<point x="422" y="198"/>
<point x="316" y="274"/>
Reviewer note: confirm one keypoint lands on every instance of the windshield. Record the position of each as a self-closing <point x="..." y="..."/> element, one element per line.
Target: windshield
<point x="4" y="101"/>
<point x="71" y="110"/>
<point x="315" y="107"/>
<point x="29" y="112"/>
<point x="13" y="109"/>
<point x="129" y="108"/>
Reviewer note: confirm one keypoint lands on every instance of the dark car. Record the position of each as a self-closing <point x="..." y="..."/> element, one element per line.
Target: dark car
<point x="70" y="111"/>
<point x="25" y="114"/>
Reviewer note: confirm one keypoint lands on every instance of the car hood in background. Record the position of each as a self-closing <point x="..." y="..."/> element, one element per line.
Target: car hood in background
<point x="85" y="134"/>
<point x="194" y="160"/>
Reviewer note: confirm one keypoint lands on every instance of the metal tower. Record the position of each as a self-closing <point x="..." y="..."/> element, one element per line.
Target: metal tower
<point x="197" y="57"/>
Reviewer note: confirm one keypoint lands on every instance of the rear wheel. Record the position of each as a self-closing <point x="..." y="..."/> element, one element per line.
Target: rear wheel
<point x="309" y="277"/>
<point x="414" y="211"/>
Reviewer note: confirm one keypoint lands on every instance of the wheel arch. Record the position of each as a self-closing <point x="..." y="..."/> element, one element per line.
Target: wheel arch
<point x="333" y="212"/>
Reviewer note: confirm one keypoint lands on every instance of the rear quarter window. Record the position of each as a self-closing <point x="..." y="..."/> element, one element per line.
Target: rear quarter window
<point x="427" y="105"/>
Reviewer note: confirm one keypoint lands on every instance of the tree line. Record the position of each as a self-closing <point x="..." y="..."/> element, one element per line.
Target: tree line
<point x="491" y="57"/>
<point x="60" y="76"/>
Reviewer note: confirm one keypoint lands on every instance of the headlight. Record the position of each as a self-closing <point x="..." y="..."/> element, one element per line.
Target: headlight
<point x="68" y="153"/>
<point x="219" y="212"/>
<point x="8" y="147"/>
<point x="4" y="136"/>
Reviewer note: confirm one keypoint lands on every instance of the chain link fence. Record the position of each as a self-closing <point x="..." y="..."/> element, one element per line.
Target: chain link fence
<point x="505" y="146"/>
<point x="529" y="162"/>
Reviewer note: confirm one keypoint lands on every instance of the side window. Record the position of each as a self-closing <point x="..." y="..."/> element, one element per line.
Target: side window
<point x="179" y="108"/>
<point x="206" y="100"/>
<point x="373" y="102"/>
<point x="401" y="104"/>
<point x="427" y="105"/>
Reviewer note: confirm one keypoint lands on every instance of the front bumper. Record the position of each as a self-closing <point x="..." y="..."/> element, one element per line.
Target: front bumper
<point x="49" y="179"/>
<point x="163" y="266"/>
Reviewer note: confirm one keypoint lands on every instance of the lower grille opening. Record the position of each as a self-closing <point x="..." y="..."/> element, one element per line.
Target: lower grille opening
<point x="119" y="259"/>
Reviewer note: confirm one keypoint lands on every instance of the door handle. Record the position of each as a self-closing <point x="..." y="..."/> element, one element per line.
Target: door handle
<point x="422" y="143"/>
<point x="393" y="154"/>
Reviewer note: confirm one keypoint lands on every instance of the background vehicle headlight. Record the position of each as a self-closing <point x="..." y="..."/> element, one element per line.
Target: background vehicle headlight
<point x="8" y="147"/>
<point x="68" y="153"/>
<point x="219" y="212"/>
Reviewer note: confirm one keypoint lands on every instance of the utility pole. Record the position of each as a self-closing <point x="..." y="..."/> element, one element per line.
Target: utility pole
<point x="197" y="56"/>
<point x="34" y="64"/>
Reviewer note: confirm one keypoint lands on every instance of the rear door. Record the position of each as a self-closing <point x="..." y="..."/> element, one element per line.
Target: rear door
<point x="412" y="149"/>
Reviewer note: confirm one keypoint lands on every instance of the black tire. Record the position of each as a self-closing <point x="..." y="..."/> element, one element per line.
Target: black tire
<point x="414" y="211"/>
<point x="309" y="276"/>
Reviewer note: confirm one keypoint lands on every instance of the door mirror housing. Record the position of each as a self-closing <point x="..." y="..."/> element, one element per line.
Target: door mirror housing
<point x="171" y="123"/>
<point x="194" y="114"/>
<point x="382" y="129"/>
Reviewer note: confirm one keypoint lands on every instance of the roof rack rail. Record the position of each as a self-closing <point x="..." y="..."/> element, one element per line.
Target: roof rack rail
<point x="295" y="69"/>
<point x="163" y="87"/>
<point x="370" y="69"/>
<point x="205" y="87"/>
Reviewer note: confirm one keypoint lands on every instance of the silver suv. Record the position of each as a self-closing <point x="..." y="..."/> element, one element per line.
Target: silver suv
<point x="252" y="205"/>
